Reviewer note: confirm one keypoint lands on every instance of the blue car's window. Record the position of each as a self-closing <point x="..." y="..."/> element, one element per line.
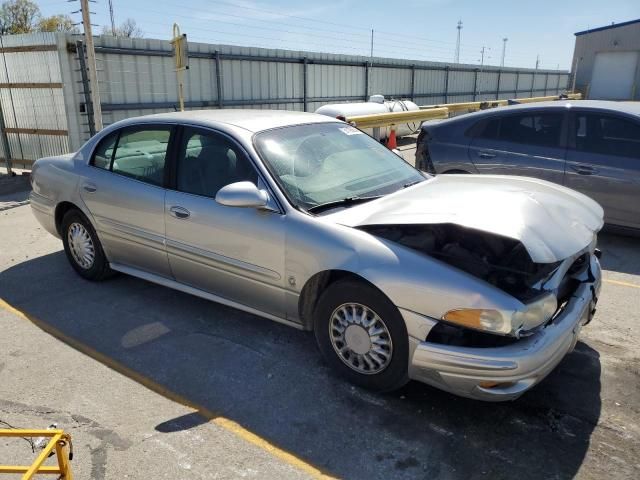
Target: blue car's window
<point x="532" y="129"/>
<point x="607" y="135"/>
<point x="328" y="162"/>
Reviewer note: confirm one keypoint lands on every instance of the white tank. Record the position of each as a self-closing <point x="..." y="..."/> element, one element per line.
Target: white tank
<point x="376" y="104"/>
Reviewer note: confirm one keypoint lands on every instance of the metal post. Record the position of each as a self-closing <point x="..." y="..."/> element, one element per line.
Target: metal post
<point x="304" y="83"/>
<point x="533" y="83"/>
<point x="366" y="81"/>
<point x="558" y="85"/>
<point x="517" y="82"/>
<point x="5" y="144"/>
<point x="91" y="64"/>
<point x="575" y="74"/>
<point x="413" y="83"/>
<point x="475" y="84"/>
<point x="546" y="82"/>
<point x="446" y="84"/>
<point x="219" y="79"/>
<point x="498" y="87"/>
<point x="86" y="90"/>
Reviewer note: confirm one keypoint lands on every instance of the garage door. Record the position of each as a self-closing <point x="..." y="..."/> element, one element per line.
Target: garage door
<point x="613" y="75"/>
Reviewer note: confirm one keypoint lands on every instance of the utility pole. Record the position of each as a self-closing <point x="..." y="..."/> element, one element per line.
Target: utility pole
<point x="504" y="50"/>
<point x="456" y="58"/>
<point x="537" y="61"/>
<point x="482" y="56"/>
<point x="370" y="66"/>
<point x="113" y="22"/>
<point x="91" y="64"/>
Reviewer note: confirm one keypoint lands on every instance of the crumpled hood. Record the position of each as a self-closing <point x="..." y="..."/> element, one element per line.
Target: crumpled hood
<point x="551" y="221"/>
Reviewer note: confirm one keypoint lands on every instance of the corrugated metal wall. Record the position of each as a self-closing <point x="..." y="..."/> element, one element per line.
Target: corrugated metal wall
<point x="136" y="77"/>
<point x="32" y="98"/>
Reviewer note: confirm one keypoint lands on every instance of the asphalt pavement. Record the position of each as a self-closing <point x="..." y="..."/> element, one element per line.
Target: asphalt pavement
<point x="154" y="383"/>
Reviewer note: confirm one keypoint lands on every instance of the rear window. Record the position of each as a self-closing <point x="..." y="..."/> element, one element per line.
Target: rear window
<point x="541" y="129"/>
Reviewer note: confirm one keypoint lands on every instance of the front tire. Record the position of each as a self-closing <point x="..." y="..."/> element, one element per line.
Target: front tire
<point x="83" y="248"/>
<point x="362" y="335"/>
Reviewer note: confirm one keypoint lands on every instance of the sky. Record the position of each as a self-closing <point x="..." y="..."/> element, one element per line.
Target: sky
<point x="411" y="29"/>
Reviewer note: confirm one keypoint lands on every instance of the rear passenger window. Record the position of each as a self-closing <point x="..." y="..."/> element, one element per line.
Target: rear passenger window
<point x="141" y="154"/>
<point x="542" y="129"/>
<point x="104" y="152"/>
<point x="489" y="129"/>
<point x="607" y="135"/>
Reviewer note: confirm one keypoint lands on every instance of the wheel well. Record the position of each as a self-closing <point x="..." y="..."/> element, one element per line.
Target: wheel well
<point x="61" y="209"/>
<point x="314" y="287"/>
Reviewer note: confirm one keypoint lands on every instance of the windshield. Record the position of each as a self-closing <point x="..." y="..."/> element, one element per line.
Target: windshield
<point x="330" y="162"/>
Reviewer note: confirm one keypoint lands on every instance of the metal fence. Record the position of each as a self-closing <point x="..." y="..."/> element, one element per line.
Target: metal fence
<point x="136" y="77"/>
<point x="33" y="120"/>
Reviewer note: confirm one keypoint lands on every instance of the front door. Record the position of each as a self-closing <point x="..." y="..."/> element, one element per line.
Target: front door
<point x="123" y="190"/>
<point x="528" y="144"/>
<point x="603" y="162"/>
<point x="235" y="253"/>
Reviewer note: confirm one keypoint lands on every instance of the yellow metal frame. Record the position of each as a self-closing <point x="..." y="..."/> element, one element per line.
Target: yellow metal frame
<point x="180" y="57"/>
<point x="394" y="118"/>
<point x="59" y="441"/>
<point x="472" y="106"/>
<point x="428" y="112"/>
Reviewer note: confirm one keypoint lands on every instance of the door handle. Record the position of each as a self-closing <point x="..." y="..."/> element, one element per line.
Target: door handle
<point x="486" y="155"/>
<point x="89" y="187"/>
<point x="179" y="212"/>
<point x="584" y="169"/>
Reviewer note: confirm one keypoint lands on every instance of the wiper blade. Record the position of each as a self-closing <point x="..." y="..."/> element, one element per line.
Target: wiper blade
<point x="410" y="184"/>
<point x="340" y="203"/>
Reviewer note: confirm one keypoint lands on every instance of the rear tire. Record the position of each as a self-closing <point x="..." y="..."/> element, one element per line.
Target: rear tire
<point x="362" y="335"/>
<point x="83" y="248"/>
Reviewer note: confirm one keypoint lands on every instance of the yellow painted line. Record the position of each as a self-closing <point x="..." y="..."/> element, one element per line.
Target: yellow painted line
<point x="618" y="282"/>
<point x="209" y="415"/>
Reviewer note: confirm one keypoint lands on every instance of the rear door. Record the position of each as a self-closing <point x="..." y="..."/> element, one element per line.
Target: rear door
<point x="528" y="143"/>
<point x="603" y="162"/>
<point x="124" y="191"/>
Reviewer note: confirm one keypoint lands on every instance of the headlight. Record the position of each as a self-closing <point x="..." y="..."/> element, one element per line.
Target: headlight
<point x="505" y="322"/>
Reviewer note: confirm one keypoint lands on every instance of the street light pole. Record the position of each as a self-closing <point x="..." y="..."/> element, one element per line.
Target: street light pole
<point x="504" y="50"/>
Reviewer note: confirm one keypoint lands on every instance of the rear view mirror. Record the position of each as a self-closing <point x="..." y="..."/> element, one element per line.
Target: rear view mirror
<point x="242" y="194"/>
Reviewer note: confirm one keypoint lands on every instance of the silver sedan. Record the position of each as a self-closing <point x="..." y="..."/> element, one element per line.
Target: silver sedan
<point x="478" y="285"/>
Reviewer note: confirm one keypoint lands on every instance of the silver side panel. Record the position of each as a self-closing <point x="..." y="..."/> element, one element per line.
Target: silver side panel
<point x="167" y="282"/>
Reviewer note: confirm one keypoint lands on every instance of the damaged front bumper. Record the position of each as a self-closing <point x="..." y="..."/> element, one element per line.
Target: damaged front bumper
<point x="506" y="372"/>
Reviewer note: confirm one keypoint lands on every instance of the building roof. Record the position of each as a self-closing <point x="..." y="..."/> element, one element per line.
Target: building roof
<point x="607" y="27"/>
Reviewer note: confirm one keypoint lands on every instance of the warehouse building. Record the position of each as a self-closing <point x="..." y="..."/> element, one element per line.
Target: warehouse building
<point x="606" y="62"/>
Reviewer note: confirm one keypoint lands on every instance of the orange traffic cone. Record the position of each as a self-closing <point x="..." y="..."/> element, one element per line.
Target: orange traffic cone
<point x="391" y="141"/>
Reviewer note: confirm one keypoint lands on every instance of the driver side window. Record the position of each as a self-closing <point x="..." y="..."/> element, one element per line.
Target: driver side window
<point x="208" y="161"/>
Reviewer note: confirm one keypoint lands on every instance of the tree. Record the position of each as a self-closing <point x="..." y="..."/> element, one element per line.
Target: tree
<point x="129" y="28"/>
<point x="18" y="16"/>
<point x="57" y="23"/>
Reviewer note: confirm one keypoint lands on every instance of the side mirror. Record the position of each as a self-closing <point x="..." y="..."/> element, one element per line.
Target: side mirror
<point x="242" y="194"/>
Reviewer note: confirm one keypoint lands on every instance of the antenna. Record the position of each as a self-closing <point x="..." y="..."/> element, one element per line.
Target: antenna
<point x="456" y="58"/>
<point x="504" y="50"/>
